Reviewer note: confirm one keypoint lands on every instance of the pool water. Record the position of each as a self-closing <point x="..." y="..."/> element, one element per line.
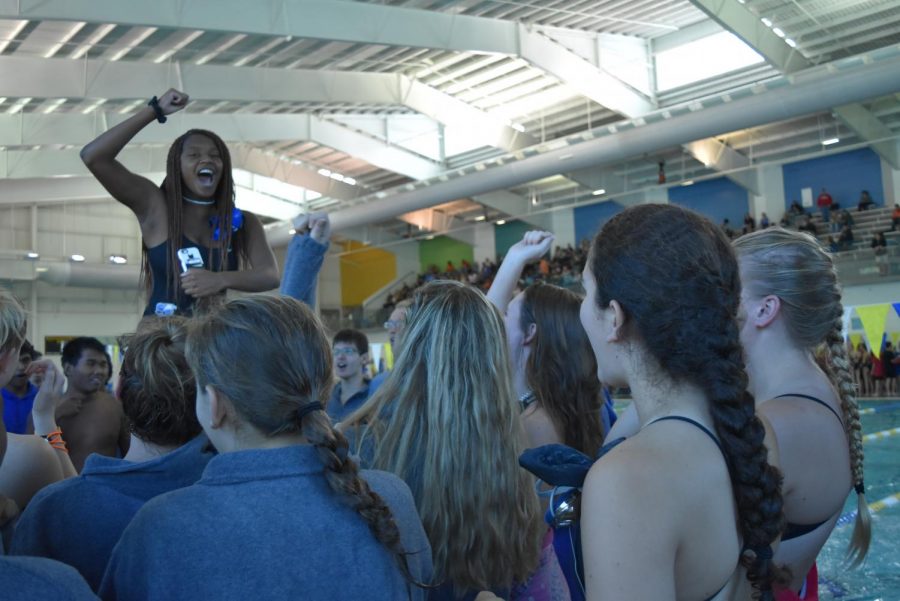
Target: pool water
<point x="878" y="578"/>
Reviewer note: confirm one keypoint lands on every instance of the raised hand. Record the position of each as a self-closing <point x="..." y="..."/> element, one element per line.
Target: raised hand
<point x="317" y="225"/>
<point x="534" y="245"/>
<point x="173" y="101"/>
<point x="49" y="395"/>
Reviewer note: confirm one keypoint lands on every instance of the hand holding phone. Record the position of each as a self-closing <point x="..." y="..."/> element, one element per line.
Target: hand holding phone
<point x="190" y="258"/>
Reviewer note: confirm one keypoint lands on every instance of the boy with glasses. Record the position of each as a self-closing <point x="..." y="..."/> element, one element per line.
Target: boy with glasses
<point x="350" y="349"/>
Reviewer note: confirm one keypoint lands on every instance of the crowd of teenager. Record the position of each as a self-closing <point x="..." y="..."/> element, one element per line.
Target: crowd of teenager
<point x="245" y="455"/>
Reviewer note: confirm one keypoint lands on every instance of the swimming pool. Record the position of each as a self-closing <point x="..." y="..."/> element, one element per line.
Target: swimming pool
<point x="879" y="577"/>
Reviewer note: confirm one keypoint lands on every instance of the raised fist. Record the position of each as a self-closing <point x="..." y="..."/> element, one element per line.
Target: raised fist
<point x="173" y="101"/>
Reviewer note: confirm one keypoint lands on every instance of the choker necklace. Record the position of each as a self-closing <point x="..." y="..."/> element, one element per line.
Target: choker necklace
<point x="204" y="203"/>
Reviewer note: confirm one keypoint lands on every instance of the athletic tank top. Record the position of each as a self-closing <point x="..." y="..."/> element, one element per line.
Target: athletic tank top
<point x="158" y="257"/>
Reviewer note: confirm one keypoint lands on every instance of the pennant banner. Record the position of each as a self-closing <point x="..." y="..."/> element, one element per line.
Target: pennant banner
<point x="894" y="336"/>
<point x="897" y="308"/>
<point x="855" y="339"/>
<point x="874" y="318"/>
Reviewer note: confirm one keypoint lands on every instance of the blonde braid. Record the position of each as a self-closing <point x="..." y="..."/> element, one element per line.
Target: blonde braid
<point x="840" y="376"/>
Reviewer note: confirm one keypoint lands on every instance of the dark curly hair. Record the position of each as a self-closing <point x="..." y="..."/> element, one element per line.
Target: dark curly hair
<point x="675" y="276"/>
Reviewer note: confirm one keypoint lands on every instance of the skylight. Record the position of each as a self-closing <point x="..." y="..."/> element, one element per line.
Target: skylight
<point x="701" y="59"/>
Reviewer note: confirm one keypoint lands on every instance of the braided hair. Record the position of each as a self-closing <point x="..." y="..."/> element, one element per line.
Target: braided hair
<point x="794" y="267"/>
<point x="284" y="392"/>
<point x="676" y="278"/>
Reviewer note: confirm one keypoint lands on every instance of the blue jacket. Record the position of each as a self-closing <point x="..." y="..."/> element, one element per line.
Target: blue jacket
<point x="30" y="578"/>
<point x="264" y="524"/>
<point x="301" y="268"/>
<point x="78" y="521"/>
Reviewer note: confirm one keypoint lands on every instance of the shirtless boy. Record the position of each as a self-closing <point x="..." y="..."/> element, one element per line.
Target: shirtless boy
<point x="91" y="419"/>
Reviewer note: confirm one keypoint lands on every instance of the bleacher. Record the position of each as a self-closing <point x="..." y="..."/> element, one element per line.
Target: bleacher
<point x="865" y="225"/>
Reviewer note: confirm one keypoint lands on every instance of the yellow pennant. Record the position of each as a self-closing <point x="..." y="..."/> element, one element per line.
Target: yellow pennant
<point x="874" y="318"/>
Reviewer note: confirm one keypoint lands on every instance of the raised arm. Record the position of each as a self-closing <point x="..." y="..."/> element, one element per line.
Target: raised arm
<point x="533" y="246"/>
<point x="137" y="193"/>
<point x="43" y="412"/>
<point x="305" y="255"/>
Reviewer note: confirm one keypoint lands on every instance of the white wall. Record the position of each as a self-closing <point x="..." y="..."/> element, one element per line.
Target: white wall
<point x="485" y="246"/>
<point x="771" y="198"/>
<point x="890" y="179"/>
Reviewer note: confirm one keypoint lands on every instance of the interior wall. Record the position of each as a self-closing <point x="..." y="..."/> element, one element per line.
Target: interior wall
<point x="441" y="249"/>
<point x="364" y="271"/>
<point x="844" y="175"/>
<point x="718" y="199"/>
<point x="589" y="219"/>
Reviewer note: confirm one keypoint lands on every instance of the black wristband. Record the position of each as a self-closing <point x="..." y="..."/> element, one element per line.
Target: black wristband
<point x="154" y="104"/>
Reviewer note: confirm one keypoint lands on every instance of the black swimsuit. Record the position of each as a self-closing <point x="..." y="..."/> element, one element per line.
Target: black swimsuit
<point x="718" y="444"/>
<point x="792" y="530"/>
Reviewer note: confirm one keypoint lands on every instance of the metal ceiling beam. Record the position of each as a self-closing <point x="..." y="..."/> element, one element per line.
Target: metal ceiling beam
<point x="337" y="20"/>
<point x="47" y="162"/>
<point x="588" y="79"/>
<point x="738" y="19"/>
<point x="258" y="161"/>
<point x="98" y="79"/>
<point x="723" y="158"/>
<point x="29" y="129"/>
<point x="840" y="83"/>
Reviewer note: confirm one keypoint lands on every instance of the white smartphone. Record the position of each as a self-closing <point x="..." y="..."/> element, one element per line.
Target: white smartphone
<point x="190" y="258"/>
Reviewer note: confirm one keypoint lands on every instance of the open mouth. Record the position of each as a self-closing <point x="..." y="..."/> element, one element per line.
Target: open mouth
<point x="206" y="176"/>
<point x="341" y="365"/>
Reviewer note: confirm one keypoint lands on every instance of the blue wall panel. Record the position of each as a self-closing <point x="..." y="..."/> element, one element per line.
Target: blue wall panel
<point x="844" y="175"/>
<point x="716" y="198"/>
<point x="589" y="219"/>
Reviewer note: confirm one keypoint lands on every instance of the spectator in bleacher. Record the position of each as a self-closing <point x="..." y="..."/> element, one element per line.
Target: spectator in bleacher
<point x="18" y="395"/>
<point x="878" y="381"/>
<point x="845" y="240"/>
<point x="764" y="221"/>
<point x="824" y="203"/>
<point x="865" y="201"/>
<point x="832" y="245"/>
<point x="807" y="225"/>
<point x="726" y="227"/>
<point x="859" y="358"/>
<point x="749" y="223"/>
<point x="350" y="349"/>
<point x="895" y="217"/>
<point x="841" y="218"/>
<point x="879" y="246"/>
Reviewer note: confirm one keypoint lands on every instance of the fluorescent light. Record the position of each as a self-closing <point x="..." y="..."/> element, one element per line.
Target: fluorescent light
<point x="599" y="192"/>
<point x="689" y="182"/>
<point x="325" y="172"/>
<point x="501" y="222"/>
<point x="292" y="231"/>
<point x="336" y="176"/>
<point x="766" y="22"/>
<point x="118" y="259"/>
<point x="830" y="141"/>
<point x="32" y="255"/>
<point x="77" y="258"/>
<point x="518" y="127"/>
<point x="350" y="180"/>
<point x="480" y="218"/>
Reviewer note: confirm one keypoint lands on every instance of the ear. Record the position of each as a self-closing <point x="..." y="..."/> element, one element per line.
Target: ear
<point x="219" y="407"/>
<point x="616" y="328"/>
<point x="530" y="333"/>
<point x="765" y="310"/>
<point x="364" y="359"/>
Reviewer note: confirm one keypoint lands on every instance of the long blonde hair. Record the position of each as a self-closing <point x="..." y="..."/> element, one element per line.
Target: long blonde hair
<point x="794" y="267"/>
<point x="447" y="422"/>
